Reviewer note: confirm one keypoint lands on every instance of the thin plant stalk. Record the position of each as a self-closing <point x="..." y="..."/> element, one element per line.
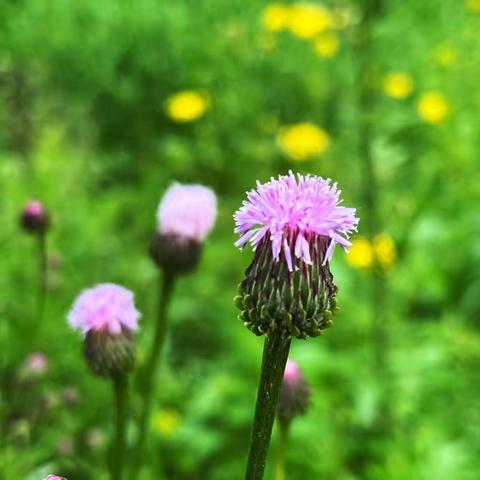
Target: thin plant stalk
<point x="152" y="364"/>
<point x="120" y="394"/>
<point x="275" y="354"/>
<point x="42" y="275"/>
<point x="282" y="450"/>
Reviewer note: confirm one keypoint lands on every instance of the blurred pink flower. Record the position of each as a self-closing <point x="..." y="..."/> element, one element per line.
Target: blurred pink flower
<point x="34" y="208"/>
<point x="36" y="364"/>
<point x="187" y="212"/>
<point x="105" y="307"/>
<point x="34" y="217"/>
<point x="291" y="213"/>
<point x="292" y="372"/>
<point x="54" y="477"/>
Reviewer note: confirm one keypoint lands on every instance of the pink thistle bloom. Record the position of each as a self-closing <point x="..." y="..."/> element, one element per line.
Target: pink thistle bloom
<point x="33" y="208"/>
<point x="54" y="477"/>
<point x="292" y="372"/>
<point x="105" y="307"/>
<point x="187" y="212"/>
<point x="36" y="364"/>
<point x="292" y="212"/>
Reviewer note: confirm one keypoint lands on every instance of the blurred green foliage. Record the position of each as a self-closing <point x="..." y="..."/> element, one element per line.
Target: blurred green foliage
<point x="84" y="128"/>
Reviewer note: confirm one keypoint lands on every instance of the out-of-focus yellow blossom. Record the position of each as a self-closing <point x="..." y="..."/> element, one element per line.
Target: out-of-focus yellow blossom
<point x="307" y="20"/>
<point x="326" y="44"/>
<point x="302" y="141"/>
<point x="187" y="106"/>
<point x="433" y="107"/>
<point x="445" y="55"/>
<point x="398" y="85"/>
<point x="275" y="17"/>
<point x="360" y="253"/>
<point x="384" y="250"/>
<point x="166" y="422"/>
<point x="473" y="5"/>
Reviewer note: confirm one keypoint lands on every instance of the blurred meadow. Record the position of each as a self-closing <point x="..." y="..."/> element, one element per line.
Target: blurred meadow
<point x="104" y="103"/>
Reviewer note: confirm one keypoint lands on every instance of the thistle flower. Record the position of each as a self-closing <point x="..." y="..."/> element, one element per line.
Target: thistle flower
<point x="107" y="317"/>
<point x="293" y="225"/>
<point x="185" y="216"/>
<point x="294" y="394"/>
<point x="35" y="218"/>
<point x="54" y="477"/>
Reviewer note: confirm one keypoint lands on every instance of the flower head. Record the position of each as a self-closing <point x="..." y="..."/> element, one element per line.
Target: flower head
<point x="187" y="106"/>
<point x="398" y="85"/>
<point x="361" y="253"/>
<point x="303" y="141"/>
<point x="309" y="19"/>
<point x="34" y="217"/>
<point x="326" y="44"/>
<point x="105" y="307"/>
<point x="187" y="211"/>
<point x="294" y="394"/>
<point x="433" y="107"/>
<point x="54" y="477"/>
<point x="291" y="212"/>
<point x="275" y="17"/>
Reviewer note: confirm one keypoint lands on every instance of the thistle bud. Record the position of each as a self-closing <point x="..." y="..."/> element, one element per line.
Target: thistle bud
<point x="294" y="394"/>
<point x="107" y="317"/>
<point x="35" y="218"/>
<point x="185" y="216"/>
<point x="293" y="225"/>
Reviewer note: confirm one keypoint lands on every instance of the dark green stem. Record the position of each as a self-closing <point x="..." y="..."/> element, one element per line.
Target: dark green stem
<point x="118" y="457"/>
<point x="42" y="275"/>
<point x="282" y="450"/>
<point x="275" y="354"/>
<point x="152" y="364"/>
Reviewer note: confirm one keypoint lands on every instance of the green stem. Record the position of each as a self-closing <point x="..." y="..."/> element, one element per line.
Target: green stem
<point x="275" y="353"/>
<point x="120" y="394"/>
<point x="42" y="275"/>
<point x="152" y="365"/>
<point x="282" y="450"/>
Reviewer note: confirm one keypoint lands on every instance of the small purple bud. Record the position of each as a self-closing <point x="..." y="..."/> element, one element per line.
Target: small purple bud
<point x="295" y="393"/>
<point x="35" y="218"/>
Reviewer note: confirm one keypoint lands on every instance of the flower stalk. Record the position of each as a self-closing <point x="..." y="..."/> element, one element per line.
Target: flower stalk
<point x="282" y="450"/>
<point x="120" y="388"/>
<point x="275" y="354"/>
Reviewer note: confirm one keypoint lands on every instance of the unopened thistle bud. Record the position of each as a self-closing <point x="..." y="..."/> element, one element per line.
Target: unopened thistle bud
<point x="294" y="394"/>
<point x="107" y="317"/>
<point x="293" y="224"/>
<point x="35" y="218"/>
<point x="185" y="216"/>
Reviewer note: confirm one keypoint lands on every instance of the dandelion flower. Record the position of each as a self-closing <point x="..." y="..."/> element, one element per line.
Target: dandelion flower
<point x="473" y="5"/>
<point x="275" y="17"/>
<point x="384" y="250"/>
<point x="303" y="141"/>
<point x="398" y="85"/>
<point x="187" y="106"/>
<point x="166" y="422"/>
<point x="360" y="253"/>
<point x="308" y="20"/>
<point x="433" y="107"/>
<point x="326" y="45"/>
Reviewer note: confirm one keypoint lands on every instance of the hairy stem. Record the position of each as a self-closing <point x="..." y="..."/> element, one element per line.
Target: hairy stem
<point x="120" y="394"/>
<point x="275" y="353"/>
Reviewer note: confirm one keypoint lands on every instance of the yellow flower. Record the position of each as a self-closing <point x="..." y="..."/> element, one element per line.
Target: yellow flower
<point x="384" y="250"/>
<point x="398" y="85"/>
<point x="275" y="17"/>
<point x="307" y="20"/>
<point x="302" y="141"/>
<point x="186" y="106"/>
<point x="166" y="422"/>
<point x="360" y="253"/>
<point x="433" y="107"/>
<point x="473" y="5"/>
<point x="445" y="55"/>
<point x="327" y="44"/>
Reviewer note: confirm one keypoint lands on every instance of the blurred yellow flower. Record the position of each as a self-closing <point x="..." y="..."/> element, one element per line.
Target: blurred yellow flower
<point x="187" y="106"/>
<point x="307" y="20"/>
<point x="302" y="141"/>
<point x="445" y="55"/>
<point x="398" y="85"/>
<point x="473" y="5"/>
<point x="275" y="17"/>
<point x="326" y="44"/>
<point x="433" y="107"/>
<point x="360" y="253"/>
<point x="166" y="422"/>
<point x="384" y="250"/>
